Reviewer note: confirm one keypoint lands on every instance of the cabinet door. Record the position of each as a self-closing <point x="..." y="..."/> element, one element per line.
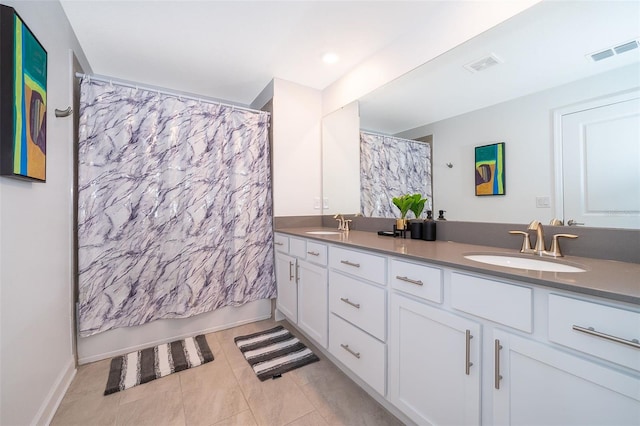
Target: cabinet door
<point x="287" y="301"/>
<point x="434" y="364"/>
<point x="313" y="301"/>
<point x="542" y="385"/>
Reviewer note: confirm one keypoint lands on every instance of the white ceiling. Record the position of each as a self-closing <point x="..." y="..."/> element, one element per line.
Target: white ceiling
<point x="231" y="49"/>
<point x="543" y="47"/>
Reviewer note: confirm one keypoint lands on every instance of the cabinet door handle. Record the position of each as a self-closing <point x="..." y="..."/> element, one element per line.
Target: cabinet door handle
<point x="278" y="243"/>
<point x="313" y="253"/>
<point x="346" y="348"/>
<point x="496" y="360"/>
<point x="346" y="262"/>
<point x="467" y="356"/>
<point x="297" y="272"/>
<point x="409" y="280"/>
<point x="349" y="302"/>
<point x="590" y="330"/>
<point x="290" y="271"/>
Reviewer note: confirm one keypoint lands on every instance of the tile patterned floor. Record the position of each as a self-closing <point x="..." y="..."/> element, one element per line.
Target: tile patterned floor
<point x="224" y="392"/>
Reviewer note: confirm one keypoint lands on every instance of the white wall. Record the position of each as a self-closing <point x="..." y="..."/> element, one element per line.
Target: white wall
<point x="456" y="22"/>
<point x="341" y="149"/>
<point x="526" y="126"/>
<point x="36" y="234"/>
<point x="297" y="117"/>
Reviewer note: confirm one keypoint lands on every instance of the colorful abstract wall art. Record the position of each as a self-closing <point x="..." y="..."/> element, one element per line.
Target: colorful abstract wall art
<point x="23" y="100"/>
<point x="490" y="169"/>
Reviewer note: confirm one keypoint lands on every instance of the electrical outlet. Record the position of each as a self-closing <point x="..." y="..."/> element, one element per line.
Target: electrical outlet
<point x="325" y="203"/>
<point x="543" y="202"/>
<point x="316" y="203"/>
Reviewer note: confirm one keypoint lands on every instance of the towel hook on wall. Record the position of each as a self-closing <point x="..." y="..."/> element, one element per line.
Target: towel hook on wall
<point x="63" y="113"/>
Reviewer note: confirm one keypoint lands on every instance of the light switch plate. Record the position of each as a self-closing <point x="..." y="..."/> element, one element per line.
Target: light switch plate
<point x="543" y="202"/>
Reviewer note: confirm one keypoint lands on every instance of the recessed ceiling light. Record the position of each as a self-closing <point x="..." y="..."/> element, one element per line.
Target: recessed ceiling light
<point x="330" y="58"/>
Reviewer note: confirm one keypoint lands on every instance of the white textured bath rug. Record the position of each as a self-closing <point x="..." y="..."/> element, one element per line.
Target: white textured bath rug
<point x="140" y="367"/>
<point x="274" y="352"/>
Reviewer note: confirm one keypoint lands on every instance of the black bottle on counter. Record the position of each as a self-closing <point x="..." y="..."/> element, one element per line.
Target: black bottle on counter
<point x="416" y="229"/>
<point x="429" y="228"/>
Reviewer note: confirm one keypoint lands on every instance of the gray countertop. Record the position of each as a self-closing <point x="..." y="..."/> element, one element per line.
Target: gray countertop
<point x="603" y="278"/>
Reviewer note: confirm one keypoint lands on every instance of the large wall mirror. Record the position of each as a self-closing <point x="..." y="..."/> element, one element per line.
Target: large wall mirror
<point x="516" y="84"/>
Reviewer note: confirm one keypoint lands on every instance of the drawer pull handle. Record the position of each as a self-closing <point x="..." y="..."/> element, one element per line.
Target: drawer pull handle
<point x="278" y="243"/>
<point x="346" y="262"/>
<point x="313" y="253"/>
<point x="349" y="302"/>
<point x="590" y="330"/>
<point x="467" y="355"/>
<point x="290" y="271"/>
<point x="496" y="359"/>
<point x="346" y="348"/>
<point x="409" y="280"/>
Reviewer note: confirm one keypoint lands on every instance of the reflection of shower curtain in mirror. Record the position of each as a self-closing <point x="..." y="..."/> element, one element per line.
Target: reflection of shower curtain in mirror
<point x="174" y="207"/>
<point x="390" y="167"/>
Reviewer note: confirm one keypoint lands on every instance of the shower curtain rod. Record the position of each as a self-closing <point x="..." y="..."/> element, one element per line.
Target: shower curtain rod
<point x="176" y="94"/>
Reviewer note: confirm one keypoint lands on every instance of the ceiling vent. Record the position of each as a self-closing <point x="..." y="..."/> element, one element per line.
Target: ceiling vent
<point x="483" y="63"/>
<point x="612" y="51"/>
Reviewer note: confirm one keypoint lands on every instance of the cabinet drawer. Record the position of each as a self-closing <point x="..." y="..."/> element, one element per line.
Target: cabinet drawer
<point x="360" y="303"/>
<point x="317" y="253"/>
<point x="281" y="243"/>
<point x="607" y="322"/>
<point x="419" y="280"/>
<point x="364" y="265"/>
<point x="503" y="303"/>
<point x="361" y="353"/>
<point x="298" y="247"/>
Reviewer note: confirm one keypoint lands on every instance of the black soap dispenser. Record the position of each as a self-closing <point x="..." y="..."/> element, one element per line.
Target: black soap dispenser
<point x="429" y="228"/>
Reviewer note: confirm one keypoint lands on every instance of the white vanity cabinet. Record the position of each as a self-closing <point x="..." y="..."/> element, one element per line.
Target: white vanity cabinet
<point x="542" y="384"/>
<point x="285" y="265"/>
<point x="535" y="384"/>
<point x="357" y="319"/>
<point x="440" y="345"/>
<point x="434" y="363"/>
<point x="312" y="293"/>
<point x="301" y="279"/>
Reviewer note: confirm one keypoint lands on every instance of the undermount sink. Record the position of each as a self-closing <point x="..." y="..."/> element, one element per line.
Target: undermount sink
<point x="323" y="232"/>
<point x="523" y="263"/>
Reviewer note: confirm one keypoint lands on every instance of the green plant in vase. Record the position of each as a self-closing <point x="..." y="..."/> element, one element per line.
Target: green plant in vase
<point x="417" y="204"/>
<point x="403" y="203"/>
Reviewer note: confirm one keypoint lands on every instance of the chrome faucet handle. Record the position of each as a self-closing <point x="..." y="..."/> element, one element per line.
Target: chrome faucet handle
<point x="346" y="224"/>
<point x="526" y="241"/>
<point x="555" y="245"/>
<point x="340" y="218"/>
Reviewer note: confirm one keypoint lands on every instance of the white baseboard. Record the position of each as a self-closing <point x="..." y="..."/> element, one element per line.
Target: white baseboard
<point x="54" y="397"/>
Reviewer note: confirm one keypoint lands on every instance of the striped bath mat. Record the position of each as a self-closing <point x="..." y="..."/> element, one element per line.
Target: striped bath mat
<point x="274" y="352"/>
<point x="149" y="364"/>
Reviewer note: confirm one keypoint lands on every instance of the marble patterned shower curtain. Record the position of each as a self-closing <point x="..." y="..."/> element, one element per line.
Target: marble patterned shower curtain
<point x="174" y="207"/>
<point x="390" y="167"/>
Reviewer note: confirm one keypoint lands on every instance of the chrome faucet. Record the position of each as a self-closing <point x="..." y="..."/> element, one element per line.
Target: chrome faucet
<point x="540" y="248"/>
<point x="344" y="224"/>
